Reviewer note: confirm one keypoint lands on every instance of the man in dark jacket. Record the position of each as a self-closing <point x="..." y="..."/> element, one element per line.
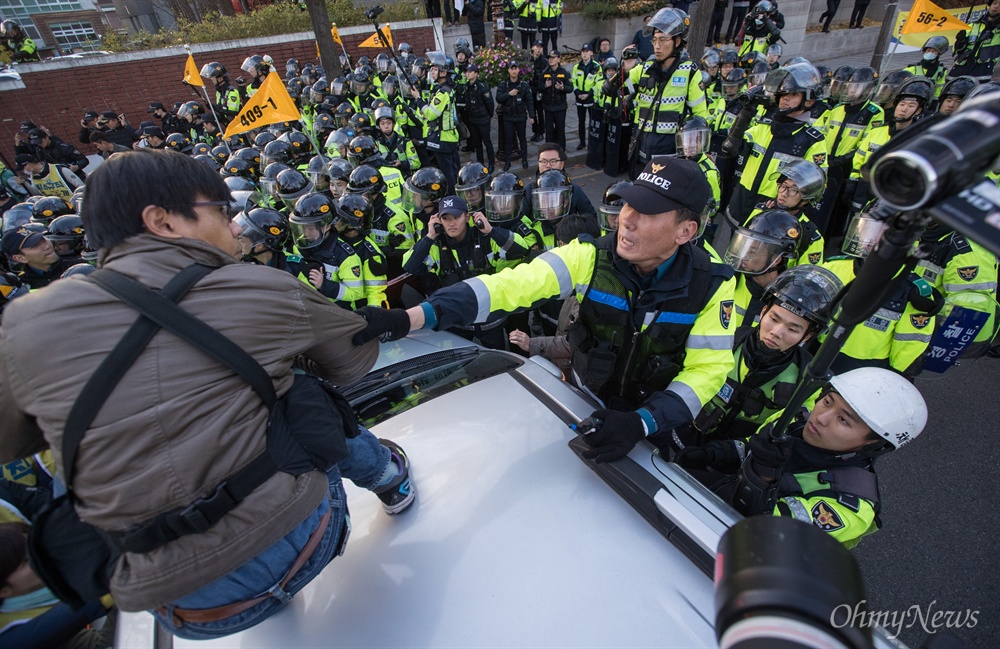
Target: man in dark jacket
<point x="538" y="66"/>
<point x="514" y="97"/>
<point x="479" y="112"/>
<point x="117" y="132"/>
<point x="51" y="149"/>
<point x="555" y="84"/>
<point x="474" y="12"/>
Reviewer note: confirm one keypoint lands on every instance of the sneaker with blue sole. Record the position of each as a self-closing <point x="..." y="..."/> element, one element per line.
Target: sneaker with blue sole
<point x="398" y="495"/>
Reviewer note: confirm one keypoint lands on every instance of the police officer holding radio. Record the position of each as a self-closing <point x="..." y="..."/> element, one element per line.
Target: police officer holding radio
<point x="654" y="341"/>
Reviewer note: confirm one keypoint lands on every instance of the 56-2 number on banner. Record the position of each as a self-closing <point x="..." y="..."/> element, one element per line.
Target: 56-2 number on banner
<point x="926" y="18"/>
<point x="251" y="116"/>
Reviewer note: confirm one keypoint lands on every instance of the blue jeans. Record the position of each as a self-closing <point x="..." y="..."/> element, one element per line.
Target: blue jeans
<point x="364" y="466"/>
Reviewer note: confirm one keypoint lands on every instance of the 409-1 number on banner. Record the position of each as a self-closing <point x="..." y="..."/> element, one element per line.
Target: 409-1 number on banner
<point x="252" y="115"/>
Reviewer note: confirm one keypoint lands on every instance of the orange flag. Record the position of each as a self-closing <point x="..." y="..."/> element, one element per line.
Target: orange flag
<point x="928" y="17"/>
<point x="191" y="75"/>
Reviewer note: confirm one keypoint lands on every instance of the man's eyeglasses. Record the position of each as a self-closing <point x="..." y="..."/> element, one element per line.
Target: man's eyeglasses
<point x="791" y="190"/>
<point x="549" y="162"/>
<point x="230" y="208"/>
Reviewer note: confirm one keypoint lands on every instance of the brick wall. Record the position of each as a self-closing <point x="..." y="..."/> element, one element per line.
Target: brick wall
<point x="56" y="93"/>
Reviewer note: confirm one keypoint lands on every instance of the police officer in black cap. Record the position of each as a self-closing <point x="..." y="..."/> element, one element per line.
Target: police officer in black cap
<point x="53" y="150"/>
<point x="169" y="123"/>
<point x="40" y="263"/>
<point x="556" y="83"/>
<point x="116" y="131"/>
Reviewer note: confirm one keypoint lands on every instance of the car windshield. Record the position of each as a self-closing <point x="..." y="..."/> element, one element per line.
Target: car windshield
<point x="392" y="390"/>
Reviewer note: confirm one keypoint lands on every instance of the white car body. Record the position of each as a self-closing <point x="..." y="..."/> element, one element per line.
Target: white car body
<point x="514" y="540"/>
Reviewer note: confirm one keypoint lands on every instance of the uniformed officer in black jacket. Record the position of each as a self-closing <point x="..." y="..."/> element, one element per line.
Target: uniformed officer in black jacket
<point x="479" y="112"/>
<point x="556" y="83"/>
<point x="514" y="98"/>
<point x="539" y="63"/>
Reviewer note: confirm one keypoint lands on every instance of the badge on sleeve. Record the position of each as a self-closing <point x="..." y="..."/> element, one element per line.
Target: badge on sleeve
<point x="726" y="313"/>
<point x="825" y="518"/>
<point x="814" y="257"/>
<point x="356" y="270"/>
<point x="919" y="321"/>
<point x="968" y="273"/>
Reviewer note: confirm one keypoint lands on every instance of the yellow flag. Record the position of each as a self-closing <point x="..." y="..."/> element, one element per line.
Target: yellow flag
<point x="375" y="41"/>
<point x="191" y="75"/>
<point x="269" y="105"/>
<point x="928" y="17"/>
<point x="335" y="34"/>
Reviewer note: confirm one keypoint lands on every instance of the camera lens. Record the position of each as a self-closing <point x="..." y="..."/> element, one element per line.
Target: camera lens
<point x="781" y="583"/>
<point x="904" y="179"/>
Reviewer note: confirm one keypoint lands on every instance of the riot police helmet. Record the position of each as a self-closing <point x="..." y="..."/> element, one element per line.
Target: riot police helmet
<point x="762" y="245"/>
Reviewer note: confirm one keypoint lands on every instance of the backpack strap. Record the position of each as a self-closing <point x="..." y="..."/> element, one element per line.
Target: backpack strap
<point x="111" y="370"/>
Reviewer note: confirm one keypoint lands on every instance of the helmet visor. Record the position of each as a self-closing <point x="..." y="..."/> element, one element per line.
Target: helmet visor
<point x="250" y="235"/>
<point x="337" y="87"/>
<point x="413" y="200"/>
<point x="319" y="179"/>
<point x="359" y="87"/>
<point x="884" y="93"/>
<point x="856" y="91"/>
<point x="751" y="253"/>
<point x="862" y="235"/>
<point x="308" y="233"/>
<point x="551" y="204"/>
<point x="607" y="217"/>
<point x="269" y="186"/>
<point x="502" y="206"/>
<point x="473" y="197"/>
<point x="693" y="142"/>
<point x="383" y="65"/>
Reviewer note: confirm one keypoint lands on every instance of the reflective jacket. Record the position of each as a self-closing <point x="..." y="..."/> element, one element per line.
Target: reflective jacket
<point x="897" y="335"/>
<point x="750" y="397"/>
<point x="453" y="261"/>
<point x="440" y="119"/>
<point x="671" y="341"/>
<point x="980" y="55"/>
<point x="56" y="180"/>
<point x="586" y="78"/>
<point x="663" y="99"/>
<point x="936" y="72"/>
<point x="844" y="127"/>
<point x="342" y="281"/>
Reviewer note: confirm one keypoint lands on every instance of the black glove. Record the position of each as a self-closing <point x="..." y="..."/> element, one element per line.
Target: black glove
<point x="767" y="457"/>
<point x="384" y="324"/>
<point x="722" y="455"/>
<point x="961" y="41"/>
<point x="615" y="436"/>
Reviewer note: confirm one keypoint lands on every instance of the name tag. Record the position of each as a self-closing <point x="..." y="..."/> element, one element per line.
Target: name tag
<point x="877" y="323"/>
<point x="679" y="81"/>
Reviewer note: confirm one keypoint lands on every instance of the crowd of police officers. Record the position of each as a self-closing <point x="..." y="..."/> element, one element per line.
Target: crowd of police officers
<point x="366" y="199"/>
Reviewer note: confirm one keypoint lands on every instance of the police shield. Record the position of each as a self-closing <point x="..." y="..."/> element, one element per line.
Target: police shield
<point x="965" y="328"/>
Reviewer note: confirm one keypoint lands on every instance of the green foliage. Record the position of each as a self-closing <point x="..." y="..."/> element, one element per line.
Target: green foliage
<point x="493" y="61"/>
<point x="608" y="9"/>
<point x="270" y="20"/>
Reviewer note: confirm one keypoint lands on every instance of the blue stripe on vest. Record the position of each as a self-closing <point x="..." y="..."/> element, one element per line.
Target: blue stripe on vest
<point x="677" y="318"/>
<point x="613" y="301"/>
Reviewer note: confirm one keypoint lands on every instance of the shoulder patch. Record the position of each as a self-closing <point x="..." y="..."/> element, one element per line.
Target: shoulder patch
<point x="814" y="257"/>
<point x="356" y="270"/>
<point x="819" y="159"/>
<point x="825" y="518"/>
<point x="968" y="273"/>
<point x="814" y="134"/>
<point x="726" y="313"/>
<point x="872" y="108"/>
<point x="295" y="259"/>
<point x="920" y="320"/>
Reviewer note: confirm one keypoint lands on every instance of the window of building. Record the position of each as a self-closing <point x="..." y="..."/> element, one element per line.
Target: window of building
<point x="80" y="36"/>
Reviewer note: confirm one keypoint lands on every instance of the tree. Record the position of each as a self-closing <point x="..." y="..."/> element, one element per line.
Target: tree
<point x="324" y="39"/>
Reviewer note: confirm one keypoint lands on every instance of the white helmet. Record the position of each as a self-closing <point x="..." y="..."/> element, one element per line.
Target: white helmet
<point x="888" y="403"/>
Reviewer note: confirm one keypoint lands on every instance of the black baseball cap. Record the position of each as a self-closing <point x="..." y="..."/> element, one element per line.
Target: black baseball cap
<point x="554" y="54"/>
<point x="586" y="47"/>
<point x="14" y="241"/>
<point x="109" y="114"/>
<point x="538" y="43"/>
<point x="472" y="68"/>
<point x="24" y="159"/>
<point x="155" y="106"/>
<point x="666" y="184"/>
<point x="90" y="114"/>
<point x="27" y="125"/>
<point x="153" y="131"/>
<point x="36" y="135"/>
<point x="514" y="64"/>
<point x="453" y="205"/>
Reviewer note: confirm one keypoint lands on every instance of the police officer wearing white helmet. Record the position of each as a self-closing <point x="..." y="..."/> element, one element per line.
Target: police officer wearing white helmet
<point x="824" y="472"/>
